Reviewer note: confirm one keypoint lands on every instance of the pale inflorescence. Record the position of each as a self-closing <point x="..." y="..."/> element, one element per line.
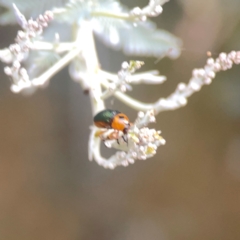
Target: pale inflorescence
<point x="153" y="9"/>
<point x="142" y="142"/>
<point x="205" y="75"/>
<point x="123" y="80"/>
<point x="23" y="44"/>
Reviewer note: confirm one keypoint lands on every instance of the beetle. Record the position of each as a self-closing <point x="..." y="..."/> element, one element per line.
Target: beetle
<point x="112" y="119"/>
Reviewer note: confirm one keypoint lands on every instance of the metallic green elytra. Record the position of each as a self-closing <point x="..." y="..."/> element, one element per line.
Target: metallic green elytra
<point x="112" y="119"/>
<point x="104" y="118"/>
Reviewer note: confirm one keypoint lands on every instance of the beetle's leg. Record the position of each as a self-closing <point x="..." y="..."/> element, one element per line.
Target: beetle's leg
<point x="125" y="139"/>
<point x="115" y="135"/>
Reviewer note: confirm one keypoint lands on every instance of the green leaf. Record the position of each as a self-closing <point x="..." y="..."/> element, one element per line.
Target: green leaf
<point x="134" y="38"/>
<point x="75" y="10"/>
<point x="141" y="39"/>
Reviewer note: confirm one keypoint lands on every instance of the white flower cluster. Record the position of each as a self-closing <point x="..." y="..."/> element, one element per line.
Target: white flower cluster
<point x="123" y="79"/>
<point x="18" y="52"/>
<point x="153" y="9"/>
<point x="141" y="144"/>
<point x="206" y="74"/>
<point x="116" y="83"/>
<point x="200" y="77"/>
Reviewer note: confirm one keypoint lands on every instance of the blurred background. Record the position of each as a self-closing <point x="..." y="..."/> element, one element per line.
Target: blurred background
<point x="189" y="191"/>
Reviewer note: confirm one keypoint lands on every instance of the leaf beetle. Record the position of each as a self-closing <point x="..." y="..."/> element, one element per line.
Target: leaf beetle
<point x="112" y="119"/>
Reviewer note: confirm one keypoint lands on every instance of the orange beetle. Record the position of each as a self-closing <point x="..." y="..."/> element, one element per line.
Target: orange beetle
<point x="112" y="119"/>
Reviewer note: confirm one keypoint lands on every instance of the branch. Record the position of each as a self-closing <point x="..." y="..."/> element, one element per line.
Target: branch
<point x="153" y="9"/>
<point x="200" y="77"/>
